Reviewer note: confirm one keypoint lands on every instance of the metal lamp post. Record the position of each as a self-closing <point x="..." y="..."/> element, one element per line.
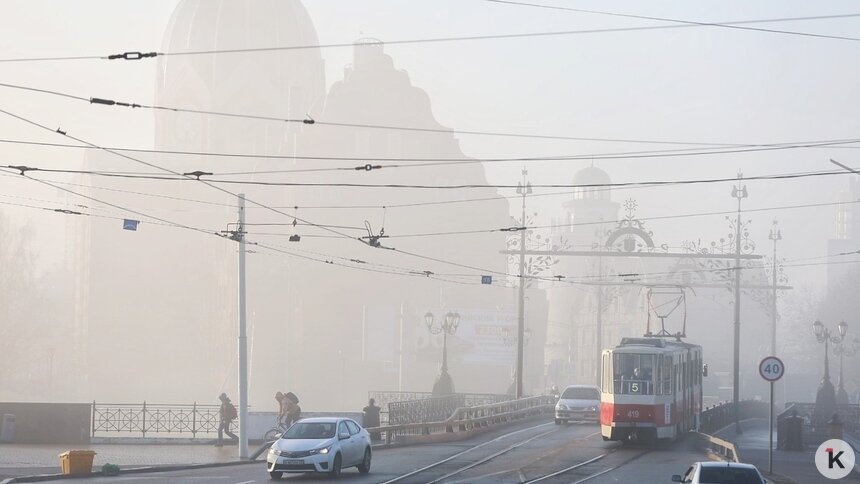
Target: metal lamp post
<point x="739" y="192"/>
<point x="444" y="384"/>
<point x="775" y="235"/>
<point x="842" y="350"/>
<point x="509" y="340"/>
<point x="825" y="399"/>
<point x="524" y="189"/>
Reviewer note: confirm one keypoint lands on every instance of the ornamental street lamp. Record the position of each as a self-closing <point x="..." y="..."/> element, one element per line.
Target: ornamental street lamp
<point x="444" y="385"/>
<point x="739" y="192"/>
<point x="843" y="350"/>
<point x="825" y="399"/>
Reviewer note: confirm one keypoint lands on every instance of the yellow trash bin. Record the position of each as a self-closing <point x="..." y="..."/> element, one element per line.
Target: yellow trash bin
<point x="77" y="461"/>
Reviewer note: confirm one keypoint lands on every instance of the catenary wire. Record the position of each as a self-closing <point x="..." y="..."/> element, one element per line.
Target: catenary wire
<point x="145" y="55"/>
<point x="691" y="23"/>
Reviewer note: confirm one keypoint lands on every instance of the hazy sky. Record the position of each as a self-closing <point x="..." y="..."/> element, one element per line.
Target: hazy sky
<point x="699" y="84"/>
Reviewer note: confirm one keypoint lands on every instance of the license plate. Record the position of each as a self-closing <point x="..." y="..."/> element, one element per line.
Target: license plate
<point x="293" y="462"/>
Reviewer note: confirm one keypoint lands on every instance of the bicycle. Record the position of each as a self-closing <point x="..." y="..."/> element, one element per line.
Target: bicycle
<point x="275" y="432"/>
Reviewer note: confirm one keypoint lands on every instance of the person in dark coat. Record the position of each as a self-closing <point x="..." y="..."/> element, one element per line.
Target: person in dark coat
<point x="226" y="414"/>
<point x="371" y="418"/>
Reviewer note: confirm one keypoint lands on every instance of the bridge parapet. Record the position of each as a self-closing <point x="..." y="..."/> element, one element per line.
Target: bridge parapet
<point x="465" y="420"/>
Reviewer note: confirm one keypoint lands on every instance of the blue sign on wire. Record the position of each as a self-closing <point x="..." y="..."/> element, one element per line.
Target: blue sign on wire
<point x="128" y="224"/>
<point x="486" y="279"/>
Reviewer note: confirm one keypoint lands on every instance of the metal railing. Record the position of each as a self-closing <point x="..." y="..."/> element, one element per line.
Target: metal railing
<point x="816" y="432"/>
<point x="722" y="415"/>
<point x="146" y="418"/>
<point x="385" y="400"/>
<point x="725" y="449"/>
<point x="468" y="418"/>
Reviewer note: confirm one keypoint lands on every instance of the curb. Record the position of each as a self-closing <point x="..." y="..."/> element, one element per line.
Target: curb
<point x="132" y="470"/>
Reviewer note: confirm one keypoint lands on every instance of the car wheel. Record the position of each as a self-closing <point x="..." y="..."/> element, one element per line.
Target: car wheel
<point x="558" y="421"/>
<point x="276" y="474"/>
<point x="364" y="467"/>
<point x="335" y="467"/>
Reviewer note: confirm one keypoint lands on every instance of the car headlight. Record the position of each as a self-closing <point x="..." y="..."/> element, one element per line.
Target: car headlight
<point x="561" y="406"/>
<point x="274" y="451"/>
<point x="323" y="451"/>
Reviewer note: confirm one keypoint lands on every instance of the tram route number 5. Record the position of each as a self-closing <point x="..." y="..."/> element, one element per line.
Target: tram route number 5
<point x="771" y="368"/>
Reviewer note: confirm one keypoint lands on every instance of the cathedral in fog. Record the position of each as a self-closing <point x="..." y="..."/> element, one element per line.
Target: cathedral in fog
<point x="325" y="314"/>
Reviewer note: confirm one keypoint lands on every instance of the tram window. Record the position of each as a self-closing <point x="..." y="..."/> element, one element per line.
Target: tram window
<point x="667" y="375"/>
<point x="634" y="374"/>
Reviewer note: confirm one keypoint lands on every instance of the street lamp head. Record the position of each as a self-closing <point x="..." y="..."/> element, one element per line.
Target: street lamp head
<point x="452" y="321"/>
<point x="818" y="328"/>
<point x="843" y="328"/>
<point x="428" y="319"/>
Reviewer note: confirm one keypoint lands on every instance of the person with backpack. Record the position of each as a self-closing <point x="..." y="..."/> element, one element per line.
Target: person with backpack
<point x="294" y="411"/>
<point x="227" y="414"/>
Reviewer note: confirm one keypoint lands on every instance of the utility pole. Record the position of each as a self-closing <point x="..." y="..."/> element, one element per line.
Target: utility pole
<point x="243" y="338"/>
<point x="739" y="191"/>
<point x="597" y="365"/>
<point x="524" y="189"/>
<point x="775" y="235"/>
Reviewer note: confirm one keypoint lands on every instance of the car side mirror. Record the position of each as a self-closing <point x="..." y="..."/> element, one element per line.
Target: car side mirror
<point x="677" y="478"/>
<point x="705" y="369"/>
<point x="343" y="436"/>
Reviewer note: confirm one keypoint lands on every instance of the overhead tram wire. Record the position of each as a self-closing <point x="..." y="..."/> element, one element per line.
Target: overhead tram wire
<point x="184" y="177"/>
<point x="430" y="161"/>
<point x="689" y="23"/>
<point x="293" y="217"/>
<point x="577" y="224"/>
<point x="136" y="56"/>
<point x="110" y="102"/>
<point x="150" y="219"/>
<point x="454" y="161"/>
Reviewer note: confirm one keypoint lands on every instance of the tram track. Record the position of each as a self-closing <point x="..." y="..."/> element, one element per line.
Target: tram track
<point x="425" y="474"/>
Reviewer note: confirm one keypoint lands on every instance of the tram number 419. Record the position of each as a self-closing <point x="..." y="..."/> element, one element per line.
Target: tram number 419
<point x="633" y="414"/>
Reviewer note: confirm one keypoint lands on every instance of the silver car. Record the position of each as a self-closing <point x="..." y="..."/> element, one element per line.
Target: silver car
<point x="320" y="445"/>
<point x="578" y="402"/>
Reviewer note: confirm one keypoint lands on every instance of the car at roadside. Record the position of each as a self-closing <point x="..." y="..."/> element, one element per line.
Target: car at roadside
<point x="713" y="472"/>
<point x="578" y="402"/>
<point x="325" y="445"/>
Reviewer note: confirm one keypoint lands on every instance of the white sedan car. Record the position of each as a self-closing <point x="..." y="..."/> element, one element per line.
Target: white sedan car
<point x="717" y="472"/>
<point x="320" y="445"/>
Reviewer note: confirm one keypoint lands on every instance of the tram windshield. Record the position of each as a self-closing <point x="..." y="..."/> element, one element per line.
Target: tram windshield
<point x="634" y="374"/>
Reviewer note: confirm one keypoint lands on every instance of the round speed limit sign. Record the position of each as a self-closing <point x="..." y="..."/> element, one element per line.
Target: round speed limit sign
<point x="771" y="368"/>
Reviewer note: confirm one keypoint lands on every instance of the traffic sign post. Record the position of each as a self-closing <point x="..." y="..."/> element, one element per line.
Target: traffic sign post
<point x="771" y="369"/>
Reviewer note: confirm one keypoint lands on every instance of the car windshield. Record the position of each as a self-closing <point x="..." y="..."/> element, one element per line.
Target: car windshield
<point x="733" y="475"/>
<point x="581" y="394"/>
<point x="310" y="430"/>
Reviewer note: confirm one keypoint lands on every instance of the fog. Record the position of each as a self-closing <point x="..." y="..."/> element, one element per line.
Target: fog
<point x="90" y="311"/>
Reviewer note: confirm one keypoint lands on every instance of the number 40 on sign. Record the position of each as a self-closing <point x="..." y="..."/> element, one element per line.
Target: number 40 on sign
<point x="771" y="368"/>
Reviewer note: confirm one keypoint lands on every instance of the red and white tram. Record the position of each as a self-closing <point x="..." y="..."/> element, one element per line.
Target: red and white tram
<point x="651" y="388"/>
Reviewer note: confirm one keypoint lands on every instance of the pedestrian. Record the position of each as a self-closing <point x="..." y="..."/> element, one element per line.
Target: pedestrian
<point x="294" y="411"/>
<point x="282" y="408"/>
<point x="371" y="418"/>
<point x="227" y="413"/>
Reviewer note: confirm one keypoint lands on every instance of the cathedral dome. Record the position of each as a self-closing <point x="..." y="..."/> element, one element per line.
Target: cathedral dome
<point x="585" y="181"/>
<point x="277" y="83"/>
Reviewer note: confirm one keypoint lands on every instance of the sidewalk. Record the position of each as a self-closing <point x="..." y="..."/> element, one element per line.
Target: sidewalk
<point x="21" y="459"/>
<point x="799" y="466"/>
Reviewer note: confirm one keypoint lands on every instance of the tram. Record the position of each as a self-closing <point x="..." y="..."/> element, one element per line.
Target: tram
<point x="651" y="388"/>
